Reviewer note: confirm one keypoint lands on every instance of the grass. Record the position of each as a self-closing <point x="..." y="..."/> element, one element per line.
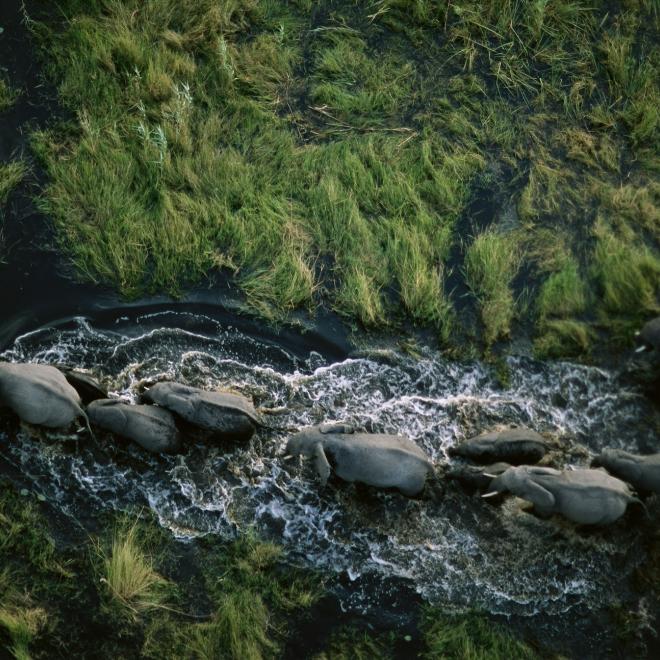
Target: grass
<point x="140" y="596"/>
<point x="491" y="263"/>
<point x="249" y="591"/>
<point x="351" y="644"/>
<point x="7" y="95"/>
<point x="470" y="637"/>
<point x="21" y="626"/>
<point x="326" y="153"/>
<point x="11" y="174"/>
<point x="128" y="575"/>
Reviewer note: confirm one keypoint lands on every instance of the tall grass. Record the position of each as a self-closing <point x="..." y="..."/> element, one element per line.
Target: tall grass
<point x="129" y="580"/>
<point x="491" y="263"/>
<point x="21" y="625"/>
<point x="329" y="156"/>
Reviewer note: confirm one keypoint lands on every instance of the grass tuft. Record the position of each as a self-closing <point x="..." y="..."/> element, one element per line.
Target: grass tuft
<point x="129" y="580"/>
<point x="491" y="263"/>
<point x="8" y="95"/>
<point x="470" y="637"/>
<point x="21" y="625"/>
<point x="11" y="174"/>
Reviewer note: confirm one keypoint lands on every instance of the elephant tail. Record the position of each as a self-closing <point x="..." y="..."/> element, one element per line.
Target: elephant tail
<point x="636" y="500"/>
<point x="83" y="414"/>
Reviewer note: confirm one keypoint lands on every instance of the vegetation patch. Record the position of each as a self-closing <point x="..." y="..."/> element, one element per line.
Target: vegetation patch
<point x="127" y="572"/>
<point x="330" y="151"/>
<point x="470" y="637"/>
<point x="7" y="95"/>
<point x="491" y="263"/>
<point x="11" y="174"/>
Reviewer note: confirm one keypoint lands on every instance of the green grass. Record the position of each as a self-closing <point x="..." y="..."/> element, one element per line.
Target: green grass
<point x="628" y="276"/>
<point x="11" y="174"/>
<point x="21" y="625"/>
<point x="470" y="637"/>
<point x="351" y="644"/>
<point x="128" y="580"/>
<point x="132" y="586"/>
<point x="7" y="95"/>
<point x="325" y="152"/>
<point x="249" y="592"/>
<point x="491" y="263"/>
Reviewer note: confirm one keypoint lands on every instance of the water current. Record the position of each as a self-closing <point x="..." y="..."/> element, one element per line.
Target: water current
<point x="457" y="549"/>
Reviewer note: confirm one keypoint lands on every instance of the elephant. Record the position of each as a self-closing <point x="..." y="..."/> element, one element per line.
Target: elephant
<point x="88" y="388"/>
<point x="473" y="477"/>
<point x="151" y="427"/>
<point x="648" y="337"/>
<point x="586" y="497"/>
<point x="40" y="394"/>
<point x="641" y="472"/>
<point x="376" y="459"/>
<point x="226" y="415"/>
<point x="515" y="446"/>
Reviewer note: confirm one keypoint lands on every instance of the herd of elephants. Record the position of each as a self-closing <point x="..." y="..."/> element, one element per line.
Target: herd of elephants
<point x="497" y="462"/>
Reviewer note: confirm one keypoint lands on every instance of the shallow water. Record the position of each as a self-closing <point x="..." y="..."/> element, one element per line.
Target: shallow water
<point x="460" y="550"/>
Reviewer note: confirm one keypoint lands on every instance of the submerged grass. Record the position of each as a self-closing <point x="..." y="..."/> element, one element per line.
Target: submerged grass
<point x="326" y="151"/>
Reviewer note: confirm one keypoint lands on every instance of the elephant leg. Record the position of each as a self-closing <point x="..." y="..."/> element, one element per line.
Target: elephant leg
<point x="321" y="463"/>
<point x="542" y="499"/>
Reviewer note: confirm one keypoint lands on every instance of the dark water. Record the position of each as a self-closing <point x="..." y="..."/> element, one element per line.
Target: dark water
<point x="459" y="551"/>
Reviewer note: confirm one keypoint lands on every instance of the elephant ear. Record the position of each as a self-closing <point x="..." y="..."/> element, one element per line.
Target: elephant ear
<point x="541" y="497"/>
<point x="336" y="428"/>
<point x="321" y="463"/>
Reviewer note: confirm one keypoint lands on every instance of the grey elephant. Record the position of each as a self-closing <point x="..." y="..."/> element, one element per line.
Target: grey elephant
<point x="376" y="459"/>
<point x="648" y="337"/>
<point x="641" y="472"/>
<point x="88" y="388"/>
<point x="39" y="394"/>
<point x="515" y="446"/>
<point x="151" y="427"/>
<point x="476" y="477"/>
<point x="225" y="415"/>
<point x="586" y="497"/>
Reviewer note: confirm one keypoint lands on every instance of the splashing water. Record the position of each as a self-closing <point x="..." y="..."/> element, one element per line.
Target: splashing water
<point x="459" y="551"/>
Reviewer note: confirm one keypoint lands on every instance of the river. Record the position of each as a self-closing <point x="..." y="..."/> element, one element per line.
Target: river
<point x="456" y="550"/>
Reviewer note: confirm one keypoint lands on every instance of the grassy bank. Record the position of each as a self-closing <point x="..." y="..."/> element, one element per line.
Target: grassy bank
<point x="335" y="151"/>
<point x="131" y="591"/>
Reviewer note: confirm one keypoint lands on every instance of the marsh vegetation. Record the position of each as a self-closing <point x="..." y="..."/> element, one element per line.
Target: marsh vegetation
<point x="130" y="590"/>
<point x="333" y="152"/>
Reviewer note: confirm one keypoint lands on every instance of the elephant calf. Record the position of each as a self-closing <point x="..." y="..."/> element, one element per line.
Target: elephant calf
<point x="39" y="394"/>
<point x="587" y="497"/>
<point x="375" y="459"/>
<point x="641" y="472"/>
<point x="152" y="428"/>
<point x="514" y="446"/>
<point x="226" y="415"/>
